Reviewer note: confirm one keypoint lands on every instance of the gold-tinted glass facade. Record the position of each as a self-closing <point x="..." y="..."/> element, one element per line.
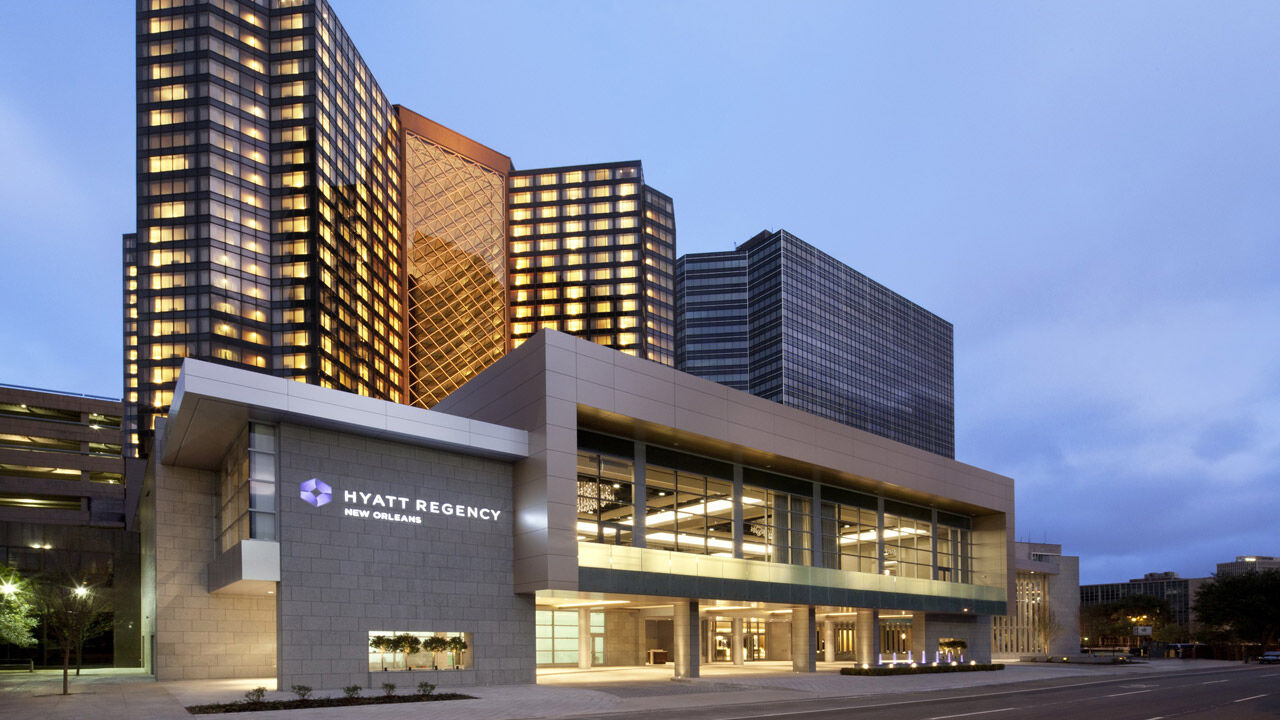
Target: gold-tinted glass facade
<point x="591" y="252"/>
<point x="454" y="222"/>
<point x="268" y="204"/>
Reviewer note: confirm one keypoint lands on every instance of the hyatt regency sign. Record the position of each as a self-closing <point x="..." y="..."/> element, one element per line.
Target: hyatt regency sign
<point x="391" y="508"/>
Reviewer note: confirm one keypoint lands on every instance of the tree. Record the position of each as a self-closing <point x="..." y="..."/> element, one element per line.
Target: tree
<point x="407" y="644"/>
<point x="456" y="645"/>
<point x="382" y="644"/>
<point x="433" y="645"/>
<point x="17" y="614"/>
<point x="71" y="610"/>
<point x="1245" y="607"/>
<point x="1117" y="619"/>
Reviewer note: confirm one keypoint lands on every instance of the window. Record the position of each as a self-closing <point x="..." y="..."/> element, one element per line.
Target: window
<point x="777" y="526"/>
<point x="605" y="498"/>
<point x="688" y="512"/>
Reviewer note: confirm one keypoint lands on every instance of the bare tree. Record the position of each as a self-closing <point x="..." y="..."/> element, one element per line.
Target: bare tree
<point x="71" y="611"/>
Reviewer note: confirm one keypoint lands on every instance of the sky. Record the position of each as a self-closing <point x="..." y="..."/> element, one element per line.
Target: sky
<point x="1086" y="190"/>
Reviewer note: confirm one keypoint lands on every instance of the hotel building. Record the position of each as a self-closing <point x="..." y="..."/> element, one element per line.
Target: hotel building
<point x="783" y="320"/>
<point x="292" y="221"/>
<point x="269" y="233"/>
<point x="592" y="252"/>
<point x="570" y="505"/>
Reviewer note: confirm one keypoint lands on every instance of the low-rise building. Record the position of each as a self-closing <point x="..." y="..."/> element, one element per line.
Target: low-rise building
<point x="1044" y="618"/>
<point x="570" y="505"/>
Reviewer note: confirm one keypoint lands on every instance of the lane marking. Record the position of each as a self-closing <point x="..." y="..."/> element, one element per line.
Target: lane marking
<point x="1131" y="692"/>
<point x="1211" y="682"/>
<point x="1251" y="697"/>
<point x="1158" y="717"/>
<point x="879" y="706"/>
<point x="979" y="712"/>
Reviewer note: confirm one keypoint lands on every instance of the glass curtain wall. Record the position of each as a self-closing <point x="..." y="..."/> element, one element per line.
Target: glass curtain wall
<point x="777" y="526"/>
<point x="688" y="512"/>
<point x="606" y="505"/>
<point x="908" y="545"/>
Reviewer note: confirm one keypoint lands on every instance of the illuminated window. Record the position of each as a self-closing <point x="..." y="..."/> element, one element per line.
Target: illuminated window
<point x="522" y="246"/>
<point x="601" y="208"/>
<point x="547" y="310"/>
<point x="521" y="198"/>
<point x="627" y="189"/>
<point x="521" y="230"/>
<point x="602" y="306"/>
<point x="548" y="195"/>
<point x="575" y="275"/>
<point x="167" y="163"/>
<point x="574" y="325"/>
<point x="575" y="292"/>
<point x="602" y="273"/>
<point x="520" y="181"/>
<point x="574" y="226"/>
<point x="574" y="176"/>
<point x="573" y="308"/>
<point x="548" y="245"/>
<point x="577" y="242"/>
<point x="600" y="174"/>
<point x="522" y="328"/>
<point x="574" y="193"/>
<point x="548" y="211"/>
<point x="547" y="179"/>
<point x="522" y="214"/>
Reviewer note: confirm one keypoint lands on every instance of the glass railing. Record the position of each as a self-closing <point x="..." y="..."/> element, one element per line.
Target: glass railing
<point x="625" y="557"/>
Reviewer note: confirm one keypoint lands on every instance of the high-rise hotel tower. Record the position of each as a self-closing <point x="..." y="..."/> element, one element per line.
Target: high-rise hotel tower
<point x="291" y="220"/>
<point x="592" y="254"/>
<point x="269" y="203"/>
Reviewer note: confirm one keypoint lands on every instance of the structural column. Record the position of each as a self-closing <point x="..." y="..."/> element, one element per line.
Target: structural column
<point x="687" y="636"/>
<point x="584" y="637"/>
<point x="802" y="627"/>
<point x="829" y="641"/>
<point x="739" y="651"/>
<point x="868" y="632"/>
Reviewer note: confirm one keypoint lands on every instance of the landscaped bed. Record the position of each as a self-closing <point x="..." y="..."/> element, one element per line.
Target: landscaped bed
<point x="919" y="669"/>
<point x="254" y="700"/>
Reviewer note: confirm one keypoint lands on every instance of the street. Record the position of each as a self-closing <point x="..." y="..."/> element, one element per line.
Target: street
<point x="1240" y="693"/>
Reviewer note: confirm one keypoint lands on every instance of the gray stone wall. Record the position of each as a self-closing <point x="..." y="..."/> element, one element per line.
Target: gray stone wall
<point x="1064" y="608"/>
<point x="975" y="630"/>
<point x="342" y="576"/>
<point x="200" y="635"/>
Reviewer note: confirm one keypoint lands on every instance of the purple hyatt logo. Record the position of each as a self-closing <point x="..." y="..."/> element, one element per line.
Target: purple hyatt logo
<point x="317" y="492"/>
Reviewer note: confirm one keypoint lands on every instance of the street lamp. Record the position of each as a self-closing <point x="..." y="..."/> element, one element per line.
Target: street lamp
<point x="80" y="591"/>
<point x="8" y="588"/>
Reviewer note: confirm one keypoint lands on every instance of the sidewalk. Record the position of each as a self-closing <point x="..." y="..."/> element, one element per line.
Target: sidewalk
<point x="130" y="695"/>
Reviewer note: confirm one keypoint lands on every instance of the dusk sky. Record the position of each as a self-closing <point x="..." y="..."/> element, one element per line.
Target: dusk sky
<point x="1089" y="192"/>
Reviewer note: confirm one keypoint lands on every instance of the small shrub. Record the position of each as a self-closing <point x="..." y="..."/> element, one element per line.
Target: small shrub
<point x="255" y="695"/>
<point x="302" y="691"/>
<point x="425" y="688"/>
<point x="352" y="691"/>
<point x="389" y="689"/>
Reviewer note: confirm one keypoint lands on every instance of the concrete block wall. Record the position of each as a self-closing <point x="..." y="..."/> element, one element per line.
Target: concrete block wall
<point x="342" y="577"/>
<point x="200" y="635"/>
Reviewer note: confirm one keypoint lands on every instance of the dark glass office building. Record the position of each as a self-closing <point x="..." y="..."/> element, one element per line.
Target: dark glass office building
<point x="785" y="321"/>
<point x="591" y="253"/>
